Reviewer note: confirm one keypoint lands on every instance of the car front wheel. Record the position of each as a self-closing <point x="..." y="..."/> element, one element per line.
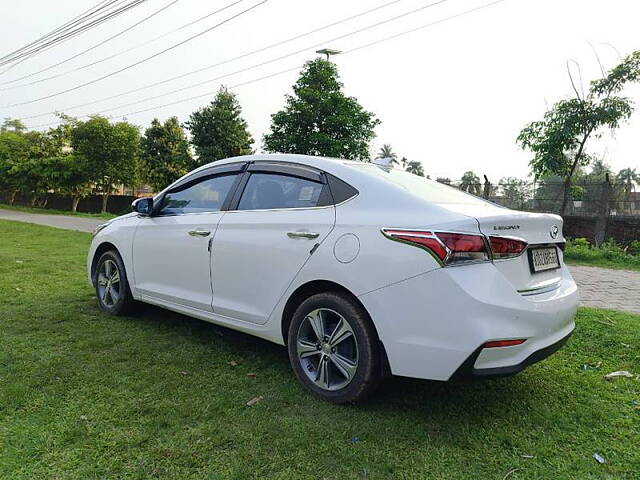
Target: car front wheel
<point x="333" y="348"/>
<point x="112" y="287"/>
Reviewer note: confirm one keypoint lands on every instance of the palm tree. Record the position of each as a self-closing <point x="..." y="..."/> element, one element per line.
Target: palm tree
<point x="415" y="167"/>
<point x="387" y="152"/>
<point x="470" y="182"/>
<point x="628" y="178"/>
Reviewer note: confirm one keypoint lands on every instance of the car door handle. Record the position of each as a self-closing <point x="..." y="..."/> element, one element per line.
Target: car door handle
<point x="199" y="233"/>
<point x="309" y="235"/>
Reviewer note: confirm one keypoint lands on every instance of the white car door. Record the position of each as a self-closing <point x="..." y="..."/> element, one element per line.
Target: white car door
<point x="171" y="248"/>
<point x="274" y="224"/>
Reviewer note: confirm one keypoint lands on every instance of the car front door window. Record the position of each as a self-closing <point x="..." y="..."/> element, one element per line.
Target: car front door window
<point x="205" y="196"/>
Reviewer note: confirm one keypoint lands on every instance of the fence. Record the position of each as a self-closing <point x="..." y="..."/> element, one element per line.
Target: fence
<point x="595" y="210"/>
<point x="117" y="204"/>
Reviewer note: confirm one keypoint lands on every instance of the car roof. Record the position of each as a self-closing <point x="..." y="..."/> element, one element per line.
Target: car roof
<point x="328" y="164"/>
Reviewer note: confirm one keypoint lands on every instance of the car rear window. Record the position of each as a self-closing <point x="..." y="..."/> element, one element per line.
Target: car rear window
<point x="429" y="190"/>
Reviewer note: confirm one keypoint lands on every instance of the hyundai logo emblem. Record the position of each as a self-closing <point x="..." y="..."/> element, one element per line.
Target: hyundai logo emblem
<point x="554" y="231"/>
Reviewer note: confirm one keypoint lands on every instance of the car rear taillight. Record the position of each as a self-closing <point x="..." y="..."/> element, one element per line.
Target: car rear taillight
<point x="448" y="248"/>
<point x="506" y="247"/>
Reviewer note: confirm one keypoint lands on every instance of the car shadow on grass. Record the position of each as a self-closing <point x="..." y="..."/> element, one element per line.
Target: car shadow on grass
<point x="395" y="393"/>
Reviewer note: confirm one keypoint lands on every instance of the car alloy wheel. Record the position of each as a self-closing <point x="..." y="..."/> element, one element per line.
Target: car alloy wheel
<point x="327" y="349"/>
<point x="112" y="287"/>
<point x="109" y="285"/>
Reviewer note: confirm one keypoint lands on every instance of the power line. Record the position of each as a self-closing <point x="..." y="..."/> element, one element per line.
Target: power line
<point x="113" y="55"/>
<point x="81" y="18"/>
<point x="93" y="47"/>
<point x="95" y="80"/>
<point x="282" y="57"/>
<point x="56" y="30"/>
<point x="282" y="42"/>
<point x="71" y="31"/>
<point x="406" y="32"/>
<point x="70" y="34"/>
<point x="355" y="49"/>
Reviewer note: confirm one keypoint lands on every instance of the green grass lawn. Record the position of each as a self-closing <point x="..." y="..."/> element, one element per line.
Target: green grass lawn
<point x="155" y="395"/>
<point x="56" y="212"/>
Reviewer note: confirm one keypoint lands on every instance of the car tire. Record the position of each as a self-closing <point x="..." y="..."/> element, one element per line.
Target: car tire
<point x="112" y="286"/>
<point x="343" y="365"/>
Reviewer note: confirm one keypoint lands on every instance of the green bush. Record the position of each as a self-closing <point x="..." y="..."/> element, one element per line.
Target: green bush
<point x="634" y="248"/>
<point x="578" y="242"/>
<point x="608" y="254"/>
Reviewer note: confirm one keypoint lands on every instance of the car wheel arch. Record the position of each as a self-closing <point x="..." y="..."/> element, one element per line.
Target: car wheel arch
<point x="313" y="287"/>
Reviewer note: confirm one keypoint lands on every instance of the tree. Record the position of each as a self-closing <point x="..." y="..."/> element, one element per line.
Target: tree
<point x="111" y="152"/>
<point x="165" y="153"/>
<point x="470" y="182"/>
<point x="515" y="192"/>
<point x="29" y="170"/>
<point x="387" y="152"/>
<point x="12" y="125"/>
<point x="318" y="119"/>
<point x="415" y="167"/>
<point x="445" y="180"/>
<point x="558" y="141"/>
<point x="14" y="150"/>
<point x="628" y="178"/>
<point x="218" y="131"/>
<point x="69" y="174"/>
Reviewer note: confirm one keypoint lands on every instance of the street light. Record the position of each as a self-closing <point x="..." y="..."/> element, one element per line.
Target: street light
<point x="328" y="52"/>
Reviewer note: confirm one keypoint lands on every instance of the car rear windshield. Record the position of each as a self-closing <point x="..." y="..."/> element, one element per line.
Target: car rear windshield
<point x="429" y="190"/>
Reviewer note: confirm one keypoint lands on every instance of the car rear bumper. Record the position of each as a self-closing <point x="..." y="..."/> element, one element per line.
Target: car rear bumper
<point x="433" y="325"/>
<point x="468" y="370"/>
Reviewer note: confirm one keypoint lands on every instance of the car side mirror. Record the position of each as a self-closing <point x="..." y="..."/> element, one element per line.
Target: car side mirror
<point x="143" y="206"/>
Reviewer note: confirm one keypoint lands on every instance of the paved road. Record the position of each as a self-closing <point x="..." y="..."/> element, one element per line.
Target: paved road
<point x="82" y="224"/>
<point x="605" y="288"/>
<point x="599" y="287"/>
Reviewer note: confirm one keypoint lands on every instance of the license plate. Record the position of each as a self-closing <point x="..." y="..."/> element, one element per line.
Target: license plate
<point x="541" y="259"/>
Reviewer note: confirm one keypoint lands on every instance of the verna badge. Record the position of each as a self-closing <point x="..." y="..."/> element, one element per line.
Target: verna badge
<point x="554" y="231"/>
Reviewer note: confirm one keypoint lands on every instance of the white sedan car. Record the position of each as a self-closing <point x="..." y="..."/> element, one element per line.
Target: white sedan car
<point x="360" y="270"/>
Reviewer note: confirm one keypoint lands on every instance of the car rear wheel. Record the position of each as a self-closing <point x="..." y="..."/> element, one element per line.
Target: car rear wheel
<point x="112" y="287"/>
<point x="333" y="348"/>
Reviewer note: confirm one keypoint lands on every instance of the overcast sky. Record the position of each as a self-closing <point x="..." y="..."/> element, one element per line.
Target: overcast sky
<point x="453" y="95"/>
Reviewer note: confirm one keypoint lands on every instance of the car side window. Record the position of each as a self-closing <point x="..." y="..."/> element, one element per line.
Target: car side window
<point x="207" y="195"/>
<point x="269" y="190"/>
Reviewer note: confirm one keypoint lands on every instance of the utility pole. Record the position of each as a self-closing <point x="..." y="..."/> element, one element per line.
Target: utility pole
<point x="328" y="52"/>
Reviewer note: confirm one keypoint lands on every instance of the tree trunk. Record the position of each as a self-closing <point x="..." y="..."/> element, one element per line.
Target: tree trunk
<point x="105" y="198"/>
<point x="44" y="202"/>
<point x="34" y="199"/>
<point x="12" y="197"/>
<point x="487" y="188"/>
<point x="74" y="204"/>
<point x="602" y="221"/>
<point x="566" y="195"/>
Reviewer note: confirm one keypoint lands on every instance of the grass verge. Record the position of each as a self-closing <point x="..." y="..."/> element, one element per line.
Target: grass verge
<point x="56" y="212"/>
<point x="158" y="395"/>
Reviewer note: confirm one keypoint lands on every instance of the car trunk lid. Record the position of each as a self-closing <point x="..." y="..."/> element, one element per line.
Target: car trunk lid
<point x="538" y="230"/>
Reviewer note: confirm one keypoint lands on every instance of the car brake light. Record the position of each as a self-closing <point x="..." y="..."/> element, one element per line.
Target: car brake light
<point x="504" y="343"/>
<point x="505" y="247"/>
<point x="447" y="247"/>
